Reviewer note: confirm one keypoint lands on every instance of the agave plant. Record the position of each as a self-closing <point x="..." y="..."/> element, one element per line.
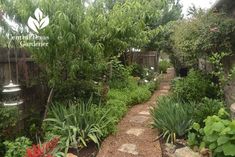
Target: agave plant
<point x="76" y="124"/>
<point x="172" y="117"/>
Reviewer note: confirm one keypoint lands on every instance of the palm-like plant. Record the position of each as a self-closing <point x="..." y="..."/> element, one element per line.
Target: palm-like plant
<point x="76" y="124"/>
<point x="172" y="117"/>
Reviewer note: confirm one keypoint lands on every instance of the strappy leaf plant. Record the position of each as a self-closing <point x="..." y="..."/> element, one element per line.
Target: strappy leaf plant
<point x="77" y="124"/>
<point x="172" y="118"/>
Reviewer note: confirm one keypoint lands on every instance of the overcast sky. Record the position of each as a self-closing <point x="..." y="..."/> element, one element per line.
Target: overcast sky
<point x="204" y="4"/>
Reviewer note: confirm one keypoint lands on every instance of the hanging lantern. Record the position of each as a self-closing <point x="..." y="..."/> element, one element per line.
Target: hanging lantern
<point x="11" y="92"/>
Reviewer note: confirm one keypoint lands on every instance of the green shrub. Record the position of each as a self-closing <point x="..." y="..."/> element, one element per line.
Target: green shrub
<point x="153" y="85"/>
<point x="207" y="107"/>
<point x="132" y="94"/>
<point x="117" y="108"/>
<point x="8" y="120"/>
<point x="118" y="94"/>
<point x="76" y="124"/>
<point x="120" y="75"/>
<point x="139" y="95"/>
<point x="194" y="87"/>
<point x="163" y="66"/>
<point x="172" y="117"/>
<point x="137" y="70"/>
<point x="18" y="147"/>
<point x="217" y="135"/>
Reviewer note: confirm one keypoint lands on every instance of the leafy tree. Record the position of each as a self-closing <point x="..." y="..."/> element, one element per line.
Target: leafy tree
<point x="202" y="36"/>
<point x="82" y="40"/>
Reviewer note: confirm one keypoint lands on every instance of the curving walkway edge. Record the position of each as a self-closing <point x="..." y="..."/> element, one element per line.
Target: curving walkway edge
<point x="134" y="137"/>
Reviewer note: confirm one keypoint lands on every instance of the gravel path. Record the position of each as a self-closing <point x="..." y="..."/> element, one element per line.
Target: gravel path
<point x="134" y="137"/>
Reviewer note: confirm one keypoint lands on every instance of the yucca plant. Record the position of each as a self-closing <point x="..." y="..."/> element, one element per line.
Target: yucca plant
<point x="172" y="117"/>
<point x="76" y="124"/>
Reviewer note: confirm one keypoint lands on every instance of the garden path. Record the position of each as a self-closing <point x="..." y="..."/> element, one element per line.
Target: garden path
<point x="134" y="137"/>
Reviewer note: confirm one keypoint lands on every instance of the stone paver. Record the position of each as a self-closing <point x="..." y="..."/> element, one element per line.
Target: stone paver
<point x="135" y="131"/>
<point x="129" y="148"/>
<point x="164" y="91"/>
<point x="134" y="136"/>
<point x="166" y="87"/>
<point x="139" y="119"/>
<point x="163" y="94"/>
<point x="185" y="152"/>
<point x="144" y="113"/>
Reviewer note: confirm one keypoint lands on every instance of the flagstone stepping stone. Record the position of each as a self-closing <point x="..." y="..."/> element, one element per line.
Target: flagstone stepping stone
<point x="185" y="152"/>
<point x="150" y="107"/>
<point x="138" y="119"/>
<point x="129" y="148"/>
<point x="166" y="87"/>
<point x="164" y="91"/>
<point x="135" y="131"/>
<point x="144" y="113"/>
<point x="162" y="94"/>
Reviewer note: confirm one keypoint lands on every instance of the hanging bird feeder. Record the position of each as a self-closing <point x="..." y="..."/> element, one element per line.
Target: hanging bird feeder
<point x="11" y="91"/>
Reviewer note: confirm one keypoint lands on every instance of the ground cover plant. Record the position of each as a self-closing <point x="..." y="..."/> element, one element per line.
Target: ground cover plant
<point x="217" y="134"/>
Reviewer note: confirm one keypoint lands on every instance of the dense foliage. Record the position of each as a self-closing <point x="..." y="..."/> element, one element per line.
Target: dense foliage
<point x="77" y="125"/>
<point x="203" y="35"/>
<point x="217" y="135"/>
<point x="18" y="147"/>
<point x="207" y="107"/>
<point x="85" y="42"/>
<point x="194" y="87"/>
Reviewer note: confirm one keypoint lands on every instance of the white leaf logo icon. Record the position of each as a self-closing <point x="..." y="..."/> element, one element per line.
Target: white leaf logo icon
<point x="38" y="14"/>
<point x="33" y="24"/>
<point x="44" y="22"/>
<point x="38" y="23"/>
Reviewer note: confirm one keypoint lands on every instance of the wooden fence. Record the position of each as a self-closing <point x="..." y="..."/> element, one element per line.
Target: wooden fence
<point x="34" y="91"/>
<point x="145" y="59"/>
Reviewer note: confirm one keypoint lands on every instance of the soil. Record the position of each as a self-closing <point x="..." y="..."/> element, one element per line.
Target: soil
<point x="89" y="151"/>
<point x="144" y="145"/>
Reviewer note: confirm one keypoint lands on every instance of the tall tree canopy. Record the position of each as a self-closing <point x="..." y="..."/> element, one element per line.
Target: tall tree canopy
<point x="83" y="38"/>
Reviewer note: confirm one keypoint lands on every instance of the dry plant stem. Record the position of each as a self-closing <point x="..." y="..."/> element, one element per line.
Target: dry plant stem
<point x="49" y="99"/>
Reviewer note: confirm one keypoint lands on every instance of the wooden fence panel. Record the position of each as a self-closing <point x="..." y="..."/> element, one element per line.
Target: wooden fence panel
<point x="145" y="59"/>
<point x="34" y="91"/>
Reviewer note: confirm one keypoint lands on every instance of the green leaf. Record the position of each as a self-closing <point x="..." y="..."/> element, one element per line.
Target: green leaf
<point x="228" y="149"/>
<point x="222" y="140"/>
<point x="196" y="126"/>
<point x="212" y="146"/>
<point x="211" y="138"/>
